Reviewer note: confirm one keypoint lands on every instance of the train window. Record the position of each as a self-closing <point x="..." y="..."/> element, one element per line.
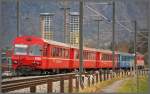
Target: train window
<point x="88" y="56"/>
<point x="85" y="54"/>
<point x="67" y="54"/>
<point x="35" y="50"/>
<point x="55" y="52"/>
<point x="106" y="57"/>
<point x="94" y="57"/>
<point x="112" y="57"/>
<point x="20" y="49"/>
<point x="60" y="52"/>
<point x="124" y="58"/>
<point x="77" y="55"/>
<point x="103" y="56"/>
<point x="91" y="56"/>
<point x="63" y="52"/>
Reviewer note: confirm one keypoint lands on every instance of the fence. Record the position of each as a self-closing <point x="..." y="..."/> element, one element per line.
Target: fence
<point x="74" y="84"/>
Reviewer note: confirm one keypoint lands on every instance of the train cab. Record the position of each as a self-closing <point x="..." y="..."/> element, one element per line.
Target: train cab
<point x="27" y="53"/>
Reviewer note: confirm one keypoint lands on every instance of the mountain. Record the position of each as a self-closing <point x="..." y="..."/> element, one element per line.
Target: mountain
<point x="30" y="24"/>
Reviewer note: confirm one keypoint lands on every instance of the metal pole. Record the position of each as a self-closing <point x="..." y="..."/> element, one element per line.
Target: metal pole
<point x="135" y="60"/>
<point x="148" y="26"/>
<point x="98" y="40"/>
<point x="98" y="37"/>
<point x="98" y="32"/>
<point x="81" y="40"/>
<point x="113" y="34"/>
<point x="17" y="14"/>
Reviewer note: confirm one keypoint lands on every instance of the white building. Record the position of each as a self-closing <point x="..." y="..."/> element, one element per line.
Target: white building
<point x="46" y="25"/>
<point x="74" y="28"/>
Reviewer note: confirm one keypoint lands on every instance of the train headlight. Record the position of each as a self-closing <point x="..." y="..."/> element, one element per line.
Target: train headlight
<point x="15" y="62"/>
<point x="37" y="63"/>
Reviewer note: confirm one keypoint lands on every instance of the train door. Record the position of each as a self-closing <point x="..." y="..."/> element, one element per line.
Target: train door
<point x="71" y="58"/>
<point x="97" y="60"/>
<point x="45" y="55"/>
<point x="119" y="61"/>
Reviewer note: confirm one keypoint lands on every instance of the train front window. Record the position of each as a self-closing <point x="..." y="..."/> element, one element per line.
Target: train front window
<point x="35" y="50"/>
<point x="20" y="49"/>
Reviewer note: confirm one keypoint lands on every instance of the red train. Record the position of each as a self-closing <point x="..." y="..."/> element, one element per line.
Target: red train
<point x="35" y="54"/>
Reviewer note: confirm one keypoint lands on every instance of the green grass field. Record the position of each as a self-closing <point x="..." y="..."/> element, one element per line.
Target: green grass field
<point x="99" y="86"/>
<point x="129" y="86"/>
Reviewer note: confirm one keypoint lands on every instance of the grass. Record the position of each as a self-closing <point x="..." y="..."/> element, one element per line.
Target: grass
<point x="129" y="86"/>
<point x="98" y="87"/>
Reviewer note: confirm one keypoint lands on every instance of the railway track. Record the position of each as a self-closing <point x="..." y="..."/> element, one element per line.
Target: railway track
<point x="9" y="78"/>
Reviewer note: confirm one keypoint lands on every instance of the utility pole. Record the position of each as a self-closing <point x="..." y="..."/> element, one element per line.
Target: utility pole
<point x="17" y="14"/>
<point x="148" y="27"/>
<point x="135" y="57"/>
<point x="98" y="32"/>
<point x="113" y="34"/>
<point x="81" y="41"/>
<point x="65" y="8"/>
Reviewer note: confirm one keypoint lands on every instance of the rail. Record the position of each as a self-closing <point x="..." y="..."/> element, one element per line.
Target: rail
<point x="31" y="83"/>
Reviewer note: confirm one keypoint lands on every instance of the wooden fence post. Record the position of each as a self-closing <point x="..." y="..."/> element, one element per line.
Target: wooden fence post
<point x="116" y="73"/>
<point x="82" y="86"/>
<point x="107" y="71"/>
<point x="100" y="75"/>
<point x="93" y="79"/>
<point x="96" y="77"/>
<point x="77" y="83"/>
<point x="111" y="75"/>
<point x="122" y="73"/>
<point x="104" y="75"/>
<point x="89" y="84"/>
<point x="49" y="86"/>
<point x="62" y="85"/>
<point x="70" y="84"/>
<point x="33" y="89"/>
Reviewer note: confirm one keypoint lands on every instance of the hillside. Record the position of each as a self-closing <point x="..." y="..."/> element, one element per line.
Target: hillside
<point x="30" y="11"/>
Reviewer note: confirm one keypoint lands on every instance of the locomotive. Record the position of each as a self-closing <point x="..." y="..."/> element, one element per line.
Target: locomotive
<point x="32" y="54"/>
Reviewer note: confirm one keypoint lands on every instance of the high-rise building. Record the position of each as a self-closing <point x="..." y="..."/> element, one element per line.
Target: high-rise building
<point x="74" y="28"/>
<point x="47" y="25"/>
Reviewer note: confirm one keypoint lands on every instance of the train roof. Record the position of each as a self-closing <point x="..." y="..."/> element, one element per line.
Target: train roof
<point x="71" y="46"/>
<point x="124" y="53"/>
<point x="76" y="47"/>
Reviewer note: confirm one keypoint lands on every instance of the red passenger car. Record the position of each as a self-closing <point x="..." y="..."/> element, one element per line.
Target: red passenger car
<point x="106" y="59"/>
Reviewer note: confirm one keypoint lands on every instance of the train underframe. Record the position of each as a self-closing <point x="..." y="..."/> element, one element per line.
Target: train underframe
<point x="28" y="70"/>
